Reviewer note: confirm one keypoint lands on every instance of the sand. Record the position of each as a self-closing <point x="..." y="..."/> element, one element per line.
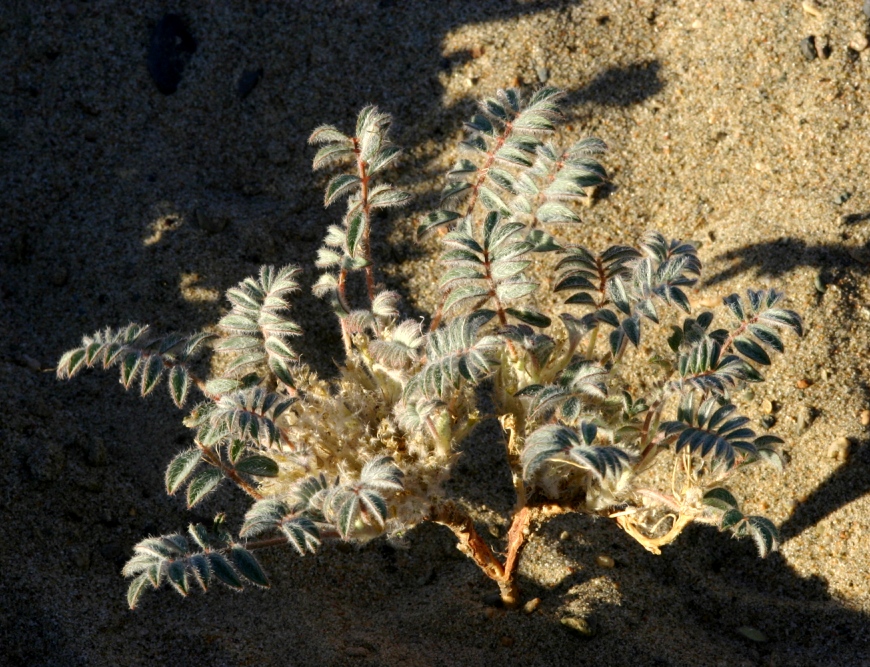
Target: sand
<point x="122" y="203"/>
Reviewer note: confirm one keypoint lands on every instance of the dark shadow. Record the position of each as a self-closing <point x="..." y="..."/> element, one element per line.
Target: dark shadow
<point x="847" y="483"/>
<point x="776" y="258"/>
<point x="621" y="86"/>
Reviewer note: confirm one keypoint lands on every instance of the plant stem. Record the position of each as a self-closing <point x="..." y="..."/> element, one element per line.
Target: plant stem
<point x="362" y="168"/>
<point x="472" y="545"/>
<point x="229" y="471"/>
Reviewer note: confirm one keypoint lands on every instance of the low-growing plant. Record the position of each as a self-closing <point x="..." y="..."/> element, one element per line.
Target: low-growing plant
<point x="591" y="402"/>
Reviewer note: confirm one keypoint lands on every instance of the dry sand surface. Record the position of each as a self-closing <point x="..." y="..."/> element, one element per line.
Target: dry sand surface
<point x="122" y="203"/>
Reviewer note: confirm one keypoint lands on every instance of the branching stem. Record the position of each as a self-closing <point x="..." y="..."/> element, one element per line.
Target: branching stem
<point x="229" y="471"/>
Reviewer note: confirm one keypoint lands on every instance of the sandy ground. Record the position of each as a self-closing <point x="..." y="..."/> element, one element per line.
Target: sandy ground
<point x="121" y="203"/>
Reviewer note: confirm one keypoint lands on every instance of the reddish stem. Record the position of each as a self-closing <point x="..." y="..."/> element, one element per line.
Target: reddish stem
<point x="229" y="471"/>
<point x="362" y="168"/>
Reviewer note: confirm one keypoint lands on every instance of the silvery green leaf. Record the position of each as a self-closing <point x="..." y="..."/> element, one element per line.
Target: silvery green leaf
<point x="339" y="186"/>
<point x="782" y="317"/>
<point x="514" y="290"/>
<point x="492" y="201"/>
<point x="356" y="229"/>
<point x="152" y="369"/>
<point x="731" y="519"/>
<point x="500" y="271"/>
<point x="462" y="168"/>
<point x="302" y="534"/>
<point x="258" y="465"/>
<point x="129" y="368"/>
<point x="631" y="327"/>
<point x="136" y="588"/>
<point x="618" y="294"/>
<point x="179" y="384"/>
<point x="328" y="134"/>
<point x="383" y="159"/>
<point x="453" y="190"/>
<point x="529" y="316"/>
<point x="541" y="241"/>
<point x="720" y="499"/>
<point x="221" y="569"/>
<point x="386" y="196"/>
<point x="434" y="220"/>
<point x="331" y="153"/>
<point x="176" y="573"/>
<point x="465" y="293"/>
<point x="513" y="156"/>
<point x="502" y="179"/>
<point x="180" y="467"/>
<point x="751" y="350"/>
<point x="552" y="212"/>
<point x="203" y="484"/>
<point x="765" y="534"/>
<point x="480" y="123"/>
<point x="588" y="146"/>
<point x="201" y="570"/>
<point x="248" y="566"/>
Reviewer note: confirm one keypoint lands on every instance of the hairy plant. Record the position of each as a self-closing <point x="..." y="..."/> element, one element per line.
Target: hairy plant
<point x="592" y="400"/>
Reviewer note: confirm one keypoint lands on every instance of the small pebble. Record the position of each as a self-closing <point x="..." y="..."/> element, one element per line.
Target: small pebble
<point x="578" y="625"/>
<point x="59" y="276"/>
<point x="858" y="42"/>
<point x="826" y="375"/>
<point x="768" y="421"/>
<point x="819" y="284"/>
<point x="92" y="484"/>
<point x="494" y="531"/>
<point x="543" y="73"/>
<point x="839" y="449"/>
<point x="171" y="48"/>
<point x="811" y="8"/>
<point x="804" y="419"/>
<point x="477" y="51"/>
<point x="823" y="47"/>
<point x="564" y="535"/>
<point x="865" y="417"/>
<point x="843" y="197"/>
<point x="47" y="461"/>
<point x="604" y="561"/>
<point x="31" y="363"/>
<point x="493" y="600"/>
<point x="211" y="222"/>
<point x="97" y="456"/>
<point x="767" y="406"/>
<point x="530" y="606"/>
<point x="80" y="558"/>
<point x="111" y="551"/>
<point x="808" y="48"/>
<point x="248" y="81"/>
<point x="752" y="634"/>
<point x="803" y="383"/>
